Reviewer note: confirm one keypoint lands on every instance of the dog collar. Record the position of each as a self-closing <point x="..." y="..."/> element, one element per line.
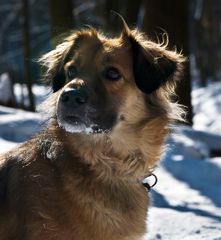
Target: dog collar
<point x="147" y="185"/>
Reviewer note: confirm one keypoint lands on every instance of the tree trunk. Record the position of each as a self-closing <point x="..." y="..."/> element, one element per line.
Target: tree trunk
<point x="61" y="18"/>
<point x="27" y="54"/>
<point x="126" y="8"/>
<point x="112" y="20"/>
<point x="207" y="37"/>
<point x="172" y="17"/>
<point x="132" y="11"/>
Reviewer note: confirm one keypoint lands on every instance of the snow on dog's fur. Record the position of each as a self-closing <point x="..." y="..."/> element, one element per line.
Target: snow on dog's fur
<point x="80" y="178"/>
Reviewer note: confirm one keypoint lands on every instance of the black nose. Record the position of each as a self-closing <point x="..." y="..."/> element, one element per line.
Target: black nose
<point x="74" y="97"/>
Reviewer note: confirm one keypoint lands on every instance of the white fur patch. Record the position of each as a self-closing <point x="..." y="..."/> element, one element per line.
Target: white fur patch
<point x="76" y="128"/>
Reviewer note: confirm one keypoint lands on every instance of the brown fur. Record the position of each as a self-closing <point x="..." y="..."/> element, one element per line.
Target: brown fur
<point x="77" y="186"/>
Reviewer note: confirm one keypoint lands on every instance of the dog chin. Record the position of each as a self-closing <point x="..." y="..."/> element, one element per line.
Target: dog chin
<point x="81" y="128"/>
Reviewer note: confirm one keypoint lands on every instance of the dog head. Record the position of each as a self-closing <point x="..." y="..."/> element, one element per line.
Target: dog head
<point x="102" y="82"/>
<point x="115" y="95"/>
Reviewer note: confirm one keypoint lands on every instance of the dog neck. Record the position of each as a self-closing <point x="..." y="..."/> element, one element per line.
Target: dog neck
<point x="111" y="202"/>
<point x="109" y="156"/>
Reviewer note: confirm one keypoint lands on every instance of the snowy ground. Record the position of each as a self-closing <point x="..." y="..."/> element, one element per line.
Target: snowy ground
<point x="186" y="202"/>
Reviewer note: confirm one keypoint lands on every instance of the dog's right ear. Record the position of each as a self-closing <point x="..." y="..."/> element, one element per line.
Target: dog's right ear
<point x="54" y="63"/>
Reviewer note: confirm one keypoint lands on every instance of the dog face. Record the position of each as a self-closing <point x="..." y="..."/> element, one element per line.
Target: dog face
<point x="112" y="100"/>
<point x="103" y="83"/>
<point x="96" y="75"/>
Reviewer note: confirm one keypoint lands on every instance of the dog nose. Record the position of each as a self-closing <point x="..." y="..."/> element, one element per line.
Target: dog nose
<point x="72" y="97"/>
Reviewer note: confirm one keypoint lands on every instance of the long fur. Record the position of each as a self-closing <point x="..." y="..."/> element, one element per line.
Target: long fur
<point x="71" y="186"/>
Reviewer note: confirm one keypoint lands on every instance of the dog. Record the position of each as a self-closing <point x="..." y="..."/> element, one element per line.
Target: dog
<point x="81" y="177"/>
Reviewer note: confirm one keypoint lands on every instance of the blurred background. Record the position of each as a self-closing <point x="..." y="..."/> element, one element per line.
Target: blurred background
<point x="187" y="200"/>
<point x="29" y="28"/>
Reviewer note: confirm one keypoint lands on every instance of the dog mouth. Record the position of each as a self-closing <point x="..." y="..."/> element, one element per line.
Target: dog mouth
<point x="75" y="124"/>
<point x="85" y="119"/>
<point x="72" y="120"/>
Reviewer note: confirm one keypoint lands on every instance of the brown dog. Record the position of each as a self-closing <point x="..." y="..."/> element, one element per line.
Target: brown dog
<point x="80" y="178"/>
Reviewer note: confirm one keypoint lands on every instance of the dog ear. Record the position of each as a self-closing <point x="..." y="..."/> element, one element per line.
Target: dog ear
<point x="54" y="62"/>
<point x="151" y="69"/>
<point x="153" y="65"/>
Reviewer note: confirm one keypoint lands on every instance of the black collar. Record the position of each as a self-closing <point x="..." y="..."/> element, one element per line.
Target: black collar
<point x="147" y="185"/>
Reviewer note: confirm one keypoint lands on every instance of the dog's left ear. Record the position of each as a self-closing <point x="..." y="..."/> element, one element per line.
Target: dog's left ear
<point x="153" y="65"/>
<point x="151" y="69"/>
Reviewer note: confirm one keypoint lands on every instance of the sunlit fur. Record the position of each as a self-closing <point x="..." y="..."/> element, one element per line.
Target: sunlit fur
<point x="80" y="186"/>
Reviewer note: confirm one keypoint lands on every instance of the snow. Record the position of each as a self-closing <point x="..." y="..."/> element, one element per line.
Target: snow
<point x="5" y="88"/>
<point x="76" y="128"/>
<point x="41" y="93"/>
<point x="186" y="202"/>
<point x="207" y="103"/>
<point x="187" y="198"/>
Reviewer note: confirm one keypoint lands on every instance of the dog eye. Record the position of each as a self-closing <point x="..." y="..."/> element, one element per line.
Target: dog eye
<point x="72" y="72"/>
<point x="112" y="74"/>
